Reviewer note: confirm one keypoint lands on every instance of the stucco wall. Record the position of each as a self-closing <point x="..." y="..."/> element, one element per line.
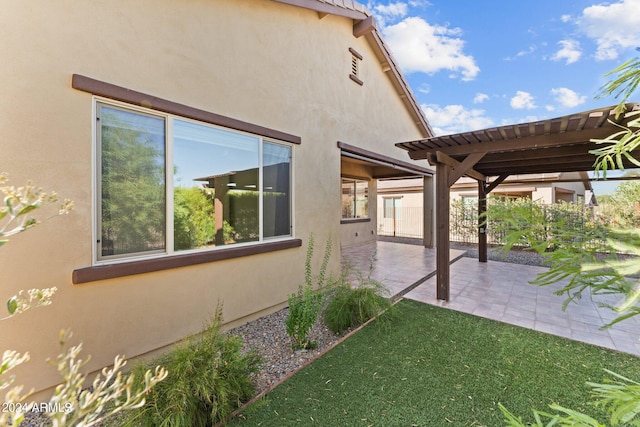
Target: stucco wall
<point x="259" y="61"/>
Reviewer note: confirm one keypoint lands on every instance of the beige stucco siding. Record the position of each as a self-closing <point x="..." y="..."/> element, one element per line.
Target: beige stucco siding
<point x="259" y="61"/>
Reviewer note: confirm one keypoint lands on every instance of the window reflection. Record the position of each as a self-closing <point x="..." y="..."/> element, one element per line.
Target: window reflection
<point x="215" y="186"/>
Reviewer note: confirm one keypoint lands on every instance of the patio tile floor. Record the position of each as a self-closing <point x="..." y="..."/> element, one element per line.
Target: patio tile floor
<point x="495" y="290"/>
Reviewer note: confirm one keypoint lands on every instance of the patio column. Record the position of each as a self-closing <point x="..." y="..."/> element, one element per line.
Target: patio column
<point x="442" y="232"/>
<point x="482" y="229"/>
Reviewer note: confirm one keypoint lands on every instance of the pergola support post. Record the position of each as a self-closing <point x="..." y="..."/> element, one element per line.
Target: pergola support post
<point x="427" y="214"/>
<point x="442" y="232"/>
<point x="482" y="226"/>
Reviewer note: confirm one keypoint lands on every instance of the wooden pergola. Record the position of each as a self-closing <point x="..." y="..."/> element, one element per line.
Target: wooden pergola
<point x="491" y="155"/>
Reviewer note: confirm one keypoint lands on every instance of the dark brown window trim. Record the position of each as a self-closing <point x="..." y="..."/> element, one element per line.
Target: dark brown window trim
<point x="112" y="271"/>
<point x="354" y="220"/>
<point x="118" y="93"/>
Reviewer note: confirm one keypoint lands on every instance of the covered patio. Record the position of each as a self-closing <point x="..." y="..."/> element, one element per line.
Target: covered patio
<point x="492" y="289"/>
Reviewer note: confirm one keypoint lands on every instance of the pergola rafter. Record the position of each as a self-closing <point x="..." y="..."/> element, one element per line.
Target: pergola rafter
<point x="491" y="155"/>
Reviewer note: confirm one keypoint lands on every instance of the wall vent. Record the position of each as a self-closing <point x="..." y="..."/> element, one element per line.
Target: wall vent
<point x="355" y="66"/>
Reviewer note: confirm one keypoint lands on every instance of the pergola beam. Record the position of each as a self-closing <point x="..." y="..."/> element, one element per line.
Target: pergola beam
<point x="545" y="168"/>
<point x="465" y="168"/>
<point x="493" y="184"/>
<point x="536" y="154"/>
<point x="520" y="144"/>
<point x="457" y="168"/>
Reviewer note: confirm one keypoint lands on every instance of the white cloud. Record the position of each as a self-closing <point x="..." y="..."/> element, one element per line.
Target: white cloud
<point x="565" y="18"/>
<point x="523" y="100"/>
<point x="390" y="12"/>
<point x="567" y="98"/>
<point x="480" y="98"/>
<point x="530" y="50"/>
<point x="421" y="47"/>
<point x="424" y="88"/>
<point x="614" y="27"/>
<point x="455" y="119"/>
<point x="570" y="51"/>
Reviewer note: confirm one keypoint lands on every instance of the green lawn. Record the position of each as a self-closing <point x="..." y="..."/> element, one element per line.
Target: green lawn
<point x="437" y="367"/>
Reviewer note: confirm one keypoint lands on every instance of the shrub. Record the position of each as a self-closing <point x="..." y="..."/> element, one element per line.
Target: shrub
<point x="81" y="406"/>
<point x="194" y="218"/>
<point x="209" y="377"/>
<point x="350" y="307"/>
<point x="306" y="304"/>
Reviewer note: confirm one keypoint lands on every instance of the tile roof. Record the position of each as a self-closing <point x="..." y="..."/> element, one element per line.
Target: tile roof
<point x="348" y="4"/>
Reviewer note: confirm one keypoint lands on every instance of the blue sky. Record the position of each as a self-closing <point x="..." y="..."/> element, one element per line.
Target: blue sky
<point x="476" y="64"/>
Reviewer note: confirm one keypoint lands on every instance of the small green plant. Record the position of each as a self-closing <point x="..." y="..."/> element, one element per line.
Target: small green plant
<point x="350" y="307"/>
<point x="565" y="417"/>
<point x="209" y="377"/>
<point x="620" y="396"/>
<point x="306" y="304"/>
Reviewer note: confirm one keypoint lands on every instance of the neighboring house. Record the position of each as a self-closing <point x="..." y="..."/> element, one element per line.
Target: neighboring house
<point x="546" y="188"/>
<point x="400" y="201"/>
<point x="202" y="143"/>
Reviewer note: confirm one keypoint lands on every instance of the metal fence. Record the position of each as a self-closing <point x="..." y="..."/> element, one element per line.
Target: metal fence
<point x="464" y="219"/>
<point x="408" y="221"/>
<point x="401" y="222"/>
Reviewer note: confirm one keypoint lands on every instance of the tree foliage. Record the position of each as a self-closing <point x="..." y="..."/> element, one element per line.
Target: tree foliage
<point x="620" y="145"/>
<point x="132" y="188"/>
<point x="624" y="82"/>
<point x="194" y="218"/>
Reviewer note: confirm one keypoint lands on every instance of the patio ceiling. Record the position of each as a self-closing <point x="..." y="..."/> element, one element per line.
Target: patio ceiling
<point x="561" y="144"/>
<point x="381" y="166"/>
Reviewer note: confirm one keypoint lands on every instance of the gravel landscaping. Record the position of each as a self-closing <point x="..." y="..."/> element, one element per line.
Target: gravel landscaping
<point x="514" y="256"/>
<point x="267" y="335"/>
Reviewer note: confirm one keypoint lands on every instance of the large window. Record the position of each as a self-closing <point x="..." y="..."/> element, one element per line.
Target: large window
<point x="167" y="184"/>
<point x="355" y="195"/>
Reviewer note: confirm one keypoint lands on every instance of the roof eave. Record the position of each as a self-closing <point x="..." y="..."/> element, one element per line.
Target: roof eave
<point x="346" y="8"/>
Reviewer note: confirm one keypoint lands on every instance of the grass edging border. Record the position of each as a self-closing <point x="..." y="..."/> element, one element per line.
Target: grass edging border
<point x="307" y="363"/>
